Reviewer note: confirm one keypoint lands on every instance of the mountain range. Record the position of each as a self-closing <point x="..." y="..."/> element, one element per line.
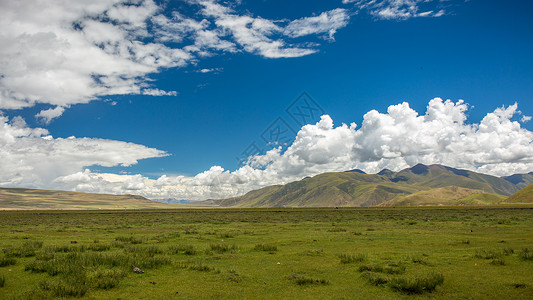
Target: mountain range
<point x="415" y="186"/>
<point x="418" y="185"/>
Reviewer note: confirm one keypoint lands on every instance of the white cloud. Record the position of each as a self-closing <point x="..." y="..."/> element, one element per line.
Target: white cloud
<point x="47" y="115"/>
<point x="32" y="158"/>
<point x="399" y="9"/>
<point x="210" y="70"/>
<point x="62" y="52"/>
<point x="397" y="139"/>
<point x="327" y="22"/>
<point x="158" y="92"/>
<point x="251" y="33"/>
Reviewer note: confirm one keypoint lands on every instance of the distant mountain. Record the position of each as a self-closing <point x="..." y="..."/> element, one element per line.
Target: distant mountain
<point x="520" y="180"/>
<point x="450" y="195"/>
<point x="354" y="188"/>
<point x="524" y="195"/>
<point x="17" y="198"/>
<point x="172" y="201"/>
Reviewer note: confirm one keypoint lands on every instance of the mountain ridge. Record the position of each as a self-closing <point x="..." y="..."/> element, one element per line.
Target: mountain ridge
<point x="356" y="188"/>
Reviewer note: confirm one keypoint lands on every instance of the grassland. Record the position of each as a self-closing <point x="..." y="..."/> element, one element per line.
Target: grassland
<point x="308" y="253"/>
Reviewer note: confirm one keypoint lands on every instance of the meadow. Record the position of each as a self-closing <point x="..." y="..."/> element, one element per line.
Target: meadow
<point x="481" y="252"/>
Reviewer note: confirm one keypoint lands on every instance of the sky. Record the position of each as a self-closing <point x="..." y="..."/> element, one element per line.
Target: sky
<point x="204" y="99"/>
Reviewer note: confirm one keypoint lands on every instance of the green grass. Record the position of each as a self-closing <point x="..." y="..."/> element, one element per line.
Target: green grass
<point x="417" y="285"/>
<point x="432" y="252"/>
<point x="266" y="247"/>
<point x="526" y="254"/>
<point x="349" y="258"/>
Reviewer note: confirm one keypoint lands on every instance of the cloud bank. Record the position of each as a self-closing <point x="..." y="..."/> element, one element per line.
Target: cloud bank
<point x="33" y="158"/>
<point x="397" y="139"/>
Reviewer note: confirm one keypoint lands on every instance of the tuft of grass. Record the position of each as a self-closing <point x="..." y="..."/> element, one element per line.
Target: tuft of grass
<point x="302" y="280"/>
<point x="129" y="239"/>
<point x="2" y="281"/>
<point x="337" y="229"/>
<point x="417" y="285"/>
<point x="498" y="262"/>
<point x="99" y="247"/>
<point x="526" y="254"/>
<point x="348" y="258"/>
<point x="7" y="261"/>
<point x="60" y="288"/>
<point x="223" y="248"/>
<point x="375" y="279"/>
<point x="389" y="269"/>
<point x="183" y="249"/>
<point x="197" y="267"/>
<point x="266" y="247"/>
<point x="28" y="249"/>
<point x="106" y="279"/>
<point x="508" y="251"/>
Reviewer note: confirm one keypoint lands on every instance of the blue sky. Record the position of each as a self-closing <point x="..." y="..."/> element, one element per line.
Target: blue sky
<point x="364" y="58"/>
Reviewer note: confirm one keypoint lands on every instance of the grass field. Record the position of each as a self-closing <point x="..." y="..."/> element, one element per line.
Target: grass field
<point x="346" y="253"/>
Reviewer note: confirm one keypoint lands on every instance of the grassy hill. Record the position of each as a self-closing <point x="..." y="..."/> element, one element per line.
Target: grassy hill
<point x="16" y="198"/>
<point x="525" y="195"/>
<point x="355" y="188"/>
<point x="450" y="195"/>
<point x="482" y="199"/>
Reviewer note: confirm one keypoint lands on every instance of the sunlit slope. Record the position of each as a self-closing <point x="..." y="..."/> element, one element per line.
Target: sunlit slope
<point x="16" y="198"/>
<point x="450" y="195"/>
<point x="525" y="195"/>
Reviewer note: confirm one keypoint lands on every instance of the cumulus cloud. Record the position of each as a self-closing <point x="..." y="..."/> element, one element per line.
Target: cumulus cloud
<point x="396" y="139"/>
<point x="33" y="158"/>
<point x="62" y="52"/>
<point x="399" y="9"/>
<point x="47" y="115"/>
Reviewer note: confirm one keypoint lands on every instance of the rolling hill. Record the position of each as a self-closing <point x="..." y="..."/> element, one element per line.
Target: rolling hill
<point x="524" y="195"/>
<point x="355" y="188"/>
<point x="450" y="195"/>
<point x="17" y="198"/>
